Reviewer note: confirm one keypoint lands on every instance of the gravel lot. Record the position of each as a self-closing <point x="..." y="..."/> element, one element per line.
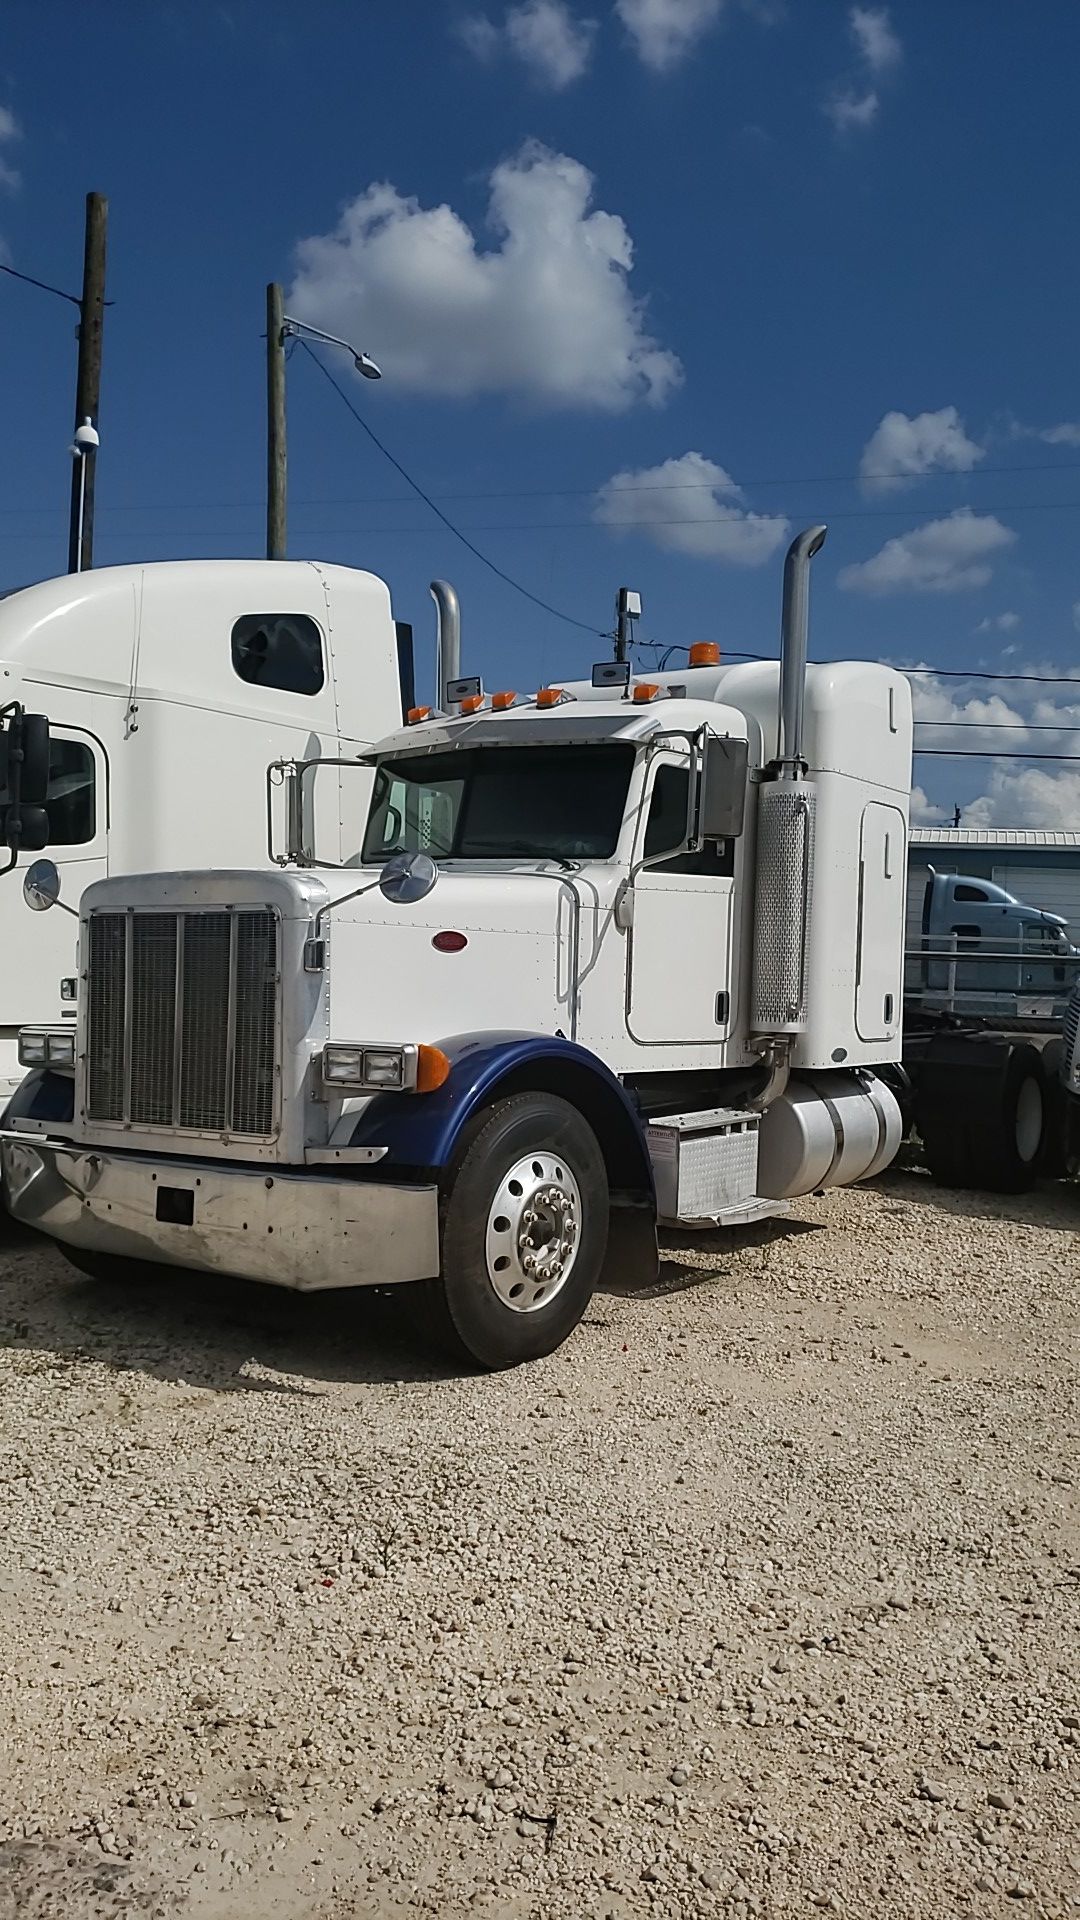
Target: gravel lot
<point x="759" y="1598"/>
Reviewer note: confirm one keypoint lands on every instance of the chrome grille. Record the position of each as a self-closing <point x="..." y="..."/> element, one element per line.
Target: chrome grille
<point x="181" y="1020"/>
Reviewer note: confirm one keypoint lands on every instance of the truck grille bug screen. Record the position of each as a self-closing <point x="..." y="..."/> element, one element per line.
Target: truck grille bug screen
<point x="181" y="1020"/>
<point x="782" y="915"/>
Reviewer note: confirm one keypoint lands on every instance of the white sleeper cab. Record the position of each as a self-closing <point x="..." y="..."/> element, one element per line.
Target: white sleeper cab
<point x="168" y="688"/>
<point x="612" y="954"/>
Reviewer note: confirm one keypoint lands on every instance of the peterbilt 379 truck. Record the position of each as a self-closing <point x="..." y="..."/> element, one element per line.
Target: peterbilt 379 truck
<point x="616" y="953"/>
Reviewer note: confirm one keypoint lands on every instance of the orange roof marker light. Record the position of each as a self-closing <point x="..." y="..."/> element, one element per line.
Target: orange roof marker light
<point x="704" y="653"/>
<point x="473" y="703"/>
<point x="550" y="696"/>
<point x="500" y="701"/>
<point x="645" y="690"/>
<point x="416" y="714"/>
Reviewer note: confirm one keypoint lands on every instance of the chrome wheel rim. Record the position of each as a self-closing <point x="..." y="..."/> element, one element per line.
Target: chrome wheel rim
<point x="533" y="1232"/>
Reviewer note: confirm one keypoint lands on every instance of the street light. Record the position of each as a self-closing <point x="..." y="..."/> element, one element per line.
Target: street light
<point x="361" y="361"/>
<point x="85" y="443"/>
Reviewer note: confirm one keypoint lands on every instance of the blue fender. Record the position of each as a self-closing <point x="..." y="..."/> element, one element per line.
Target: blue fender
<point x="422" y="1130"/>
<point x="43" y="1095"/>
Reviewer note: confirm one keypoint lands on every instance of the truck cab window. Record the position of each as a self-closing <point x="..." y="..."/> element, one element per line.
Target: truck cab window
<point x="666" y="827"/>
<point x="967" y="938"/>
<point x="970" y="894"/>
<point x="501" y="803"/>
<point x="72" y="799"/>
<point x="281" y="650"/>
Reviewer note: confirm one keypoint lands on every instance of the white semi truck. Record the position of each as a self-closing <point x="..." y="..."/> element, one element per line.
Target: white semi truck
<point x="617" y="953"/>
<point x="153" y="676"/>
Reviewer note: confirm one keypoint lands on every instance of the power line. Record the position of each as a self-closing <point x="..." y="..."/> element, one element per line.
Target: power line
<point x="936" y="673"/>
<point x="29" y="281"/>
<point x="1003" y="726"/>
<point x="989" y="753"/>
<point x="438" y="512"/>
<point x="623" y="525"/>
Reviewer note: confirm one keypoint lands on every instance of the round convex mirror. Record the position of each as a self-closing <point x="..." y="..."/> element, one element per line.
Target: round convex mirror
<point x="408" y="877"/>
<point x="41" y="886"/>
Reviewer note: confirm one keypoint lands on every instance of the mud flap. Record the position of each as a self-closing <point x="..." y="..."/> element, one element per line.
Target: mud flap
<point x="633" y="1253"/>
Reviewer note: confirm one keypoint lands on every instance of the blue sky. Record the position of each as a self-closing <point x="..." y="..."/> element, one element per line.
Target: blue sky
<point x="694" y="265"/>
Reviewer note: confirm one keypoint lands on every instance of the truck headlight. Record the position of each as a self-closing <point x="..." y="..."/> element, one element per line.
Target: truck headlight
<point x="42" y="1047"/>
<point x="408" y="1069"/>
<point x="355" y="1069"/>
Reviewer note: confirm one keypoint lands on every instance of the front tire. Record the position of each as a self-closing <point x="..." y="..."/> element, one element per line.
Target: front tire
<point x="524" y="1233"/>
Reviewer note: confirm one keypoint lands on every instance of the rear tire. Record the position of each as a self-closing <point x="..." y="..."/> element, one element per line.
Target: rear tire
<point x="989" y="1136"/>
<point x="524" y="1232"/>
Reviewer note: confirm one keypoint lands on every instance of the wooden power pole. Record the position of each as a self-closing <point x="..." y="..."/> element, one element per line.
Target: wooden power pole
<point x="275" y="423"/>
<point x="88" y="384"/>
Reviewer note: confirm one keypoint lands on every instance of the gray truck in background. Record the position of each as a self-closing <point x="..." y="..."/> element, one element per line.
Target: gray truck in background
<point x="982" y="951"/>
<point x="991" y="1064"/>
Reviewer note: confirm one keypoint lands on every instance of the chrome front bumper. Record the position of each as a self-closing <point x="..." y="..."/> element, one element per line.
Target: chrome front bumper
<point x="305" y="1231"/>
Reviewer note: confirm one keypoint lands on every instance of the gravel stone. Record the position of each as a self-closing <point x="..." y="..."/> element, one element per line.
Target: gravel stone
<point x="298" y="1620"/>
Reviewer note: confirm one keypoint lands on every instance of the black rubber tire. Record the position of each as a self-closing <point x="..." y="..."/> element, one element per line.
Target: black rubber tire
<point x="461" y="1311"/>
<point x="1057" y="1161"/>
<point x="106" y="1266"/>
<point x="971" y="1137"/>
<point x="945" y="1143"/>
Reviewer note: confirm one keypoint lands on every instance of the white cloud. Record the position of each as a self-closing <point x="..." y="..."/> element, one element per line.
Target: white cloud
<point x="689" y="505"/>
<point x="1019" y="796"/>
<point x="999" y="623"/>
<point x="924" y="812"/>
<point x="905" y="446"/>
<point x="551" y="42"/>
<point x="1066" y="434"/>
<point x="873" y="35"/>
<point x="856" y="103"/>
<point x="944" y="556"/>
<point x="543" y="34"/>
<point x="547" y="314"/>
<point x="848" y="109"/>
<point x="664" y="32"/>
<point x="10" y="131"/>
<point x="480" y="35"/>
<point x="1032" y="720"/>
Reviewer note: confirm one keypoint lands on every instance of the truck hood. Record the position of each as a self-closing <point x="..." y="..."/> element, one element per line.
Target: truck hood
<point x="484" y="950"/>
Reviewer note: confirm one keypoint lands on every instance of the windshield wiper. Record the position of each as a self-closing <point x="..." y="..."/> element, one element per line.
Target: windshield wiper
<point x="523" y="850"/>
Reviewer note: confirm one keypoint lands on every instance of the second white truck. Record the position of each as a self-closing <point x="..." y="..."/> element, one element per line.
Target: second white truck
<point x="168" y="687"/>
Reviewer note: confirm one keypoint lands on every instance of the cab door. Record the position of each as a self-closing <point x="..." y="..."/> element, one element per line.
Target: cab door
<point x="680" y="988"/>
<point x="39" y="948"/>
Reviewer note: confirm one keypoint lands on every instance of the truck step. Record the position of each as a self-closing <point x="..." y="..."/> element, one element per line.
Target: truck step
<point x="705" y="1165"/>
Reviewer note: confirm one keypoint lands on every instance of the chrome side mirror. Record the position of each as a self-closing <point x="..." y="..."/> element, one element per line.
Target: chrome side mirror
<point x="41" y="886"/>
<point x="407" y="878"/>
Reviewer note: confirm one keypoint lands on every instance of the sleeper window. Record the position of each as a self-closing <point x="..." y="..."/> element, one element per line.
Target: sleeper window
<point x="281" y="650"/>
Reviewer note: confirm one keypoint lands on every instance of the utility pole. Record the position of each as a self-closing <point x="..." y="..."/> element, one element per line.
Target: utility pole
<point x="88" y="385"/>
<point x="275" y="422"/>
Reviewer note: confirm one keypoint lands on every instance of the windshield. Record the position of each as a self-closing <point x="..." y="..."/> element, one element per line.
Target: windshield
<point x="501" y="803"/>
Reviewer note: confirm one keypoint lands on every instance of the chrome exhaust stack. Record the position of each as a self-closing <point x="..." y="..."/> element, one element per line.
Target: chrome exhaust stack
<point x="447" y="638"/>
<point x="787" y="805"/>
<point x="794" y="641"/>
